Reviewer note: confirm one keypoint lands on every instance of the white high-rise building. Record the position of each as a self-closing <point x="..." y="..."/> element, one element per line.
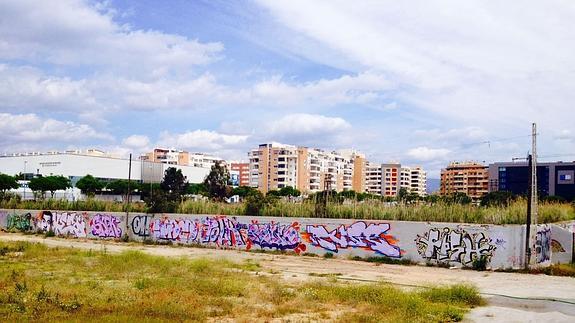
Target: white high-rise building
<point x="414" y="179"/>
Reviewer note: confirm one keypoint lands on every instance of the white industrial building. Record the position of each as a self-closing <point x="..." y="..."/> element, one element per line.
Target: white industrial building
<point x="77" y="165"/>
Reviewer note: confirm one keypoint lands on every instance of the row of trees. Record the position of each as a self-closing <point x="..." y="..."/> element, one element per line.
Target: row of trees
<point x="40" y="185"/>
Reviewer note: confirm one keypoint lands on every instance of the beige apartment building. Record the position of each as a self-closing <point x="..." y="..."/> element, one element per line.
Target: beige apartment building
<point x="414" y="179"/>
<point x="470" y="178"/>
<point x="167" y="156"/>
<point x="180" y="157"/>
<point x="274" y="166"/>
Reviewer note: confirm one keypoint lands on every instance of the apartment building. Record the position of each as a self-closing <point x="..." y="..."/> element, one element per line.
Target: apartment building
<point x="383" y="179"/>
<point x="203" y="160"/>
<point x="470" y="178"/>
<point x="167" y="156"/>
<point x="243" y="173"/>
<point x="273" y="166"/>
<point x="414" y="179"/>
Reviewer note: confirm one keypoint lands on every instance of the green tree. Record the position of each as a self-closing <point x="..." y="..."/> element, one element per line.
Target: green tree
<point x="217" y="182"/>
<point x="89" y="185"/>
<point x="120" y="187"/>
<point x="497" y="198"/>
<point x="351" y="194"/>
<point x="7" y="182"/>
<point x="197" y="189"/>
<point x="244" y="191"/>
<point x="39" y="186"/>
<point x="289" y="191"/>
<point x="52" y="184"/>
<point x="174" y="184"/>
<point x="57" y="183"/>
<point x="432" y="199"/>
<point x="402" y="195"/>
<point x="458" y="198"/>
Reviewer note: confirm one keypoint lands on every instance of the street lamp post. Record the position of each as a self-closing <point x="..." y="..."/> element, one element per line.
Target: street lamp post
<point x="151" y="180"/>
<point x="24" y="186"/>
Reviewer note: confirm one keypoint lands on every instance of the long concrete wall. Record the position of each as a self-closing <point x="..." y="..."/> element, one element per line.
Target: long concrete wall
<point x="422" y="242"/>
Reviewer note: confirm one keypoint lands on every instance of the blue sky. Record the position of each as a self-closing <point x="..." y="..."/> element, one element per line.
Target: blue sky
<point x="419" y="82"/>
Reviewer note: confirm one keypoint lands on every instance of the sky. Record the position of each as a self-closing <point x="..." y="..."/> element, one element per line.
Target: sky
<point x="418" y="82"/>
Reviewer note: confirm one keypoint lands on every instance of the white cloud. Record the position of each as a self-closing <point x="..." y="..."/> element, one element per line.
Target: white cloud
<point x="428" y="154"/>
<point x="24" y="89"/>
<point x="363" y="88"/>
<point x="30" y="130"/>
<point x="466" y="135"/>
<point x="136" y="141"/>
<point x="201" y="140"/>
<point x="72" y="32"/>
<point x="467" y="61"/>
<point x="307" y="124"/>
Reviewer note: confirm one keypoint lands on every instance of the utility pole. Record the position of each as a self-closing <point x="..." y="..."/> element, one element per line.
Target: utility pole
<point x="531" y="234"/>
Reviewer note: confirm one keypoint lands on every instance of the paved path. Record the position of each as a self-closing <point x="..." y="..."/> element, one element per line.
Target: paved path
<point x="512" y="297"/>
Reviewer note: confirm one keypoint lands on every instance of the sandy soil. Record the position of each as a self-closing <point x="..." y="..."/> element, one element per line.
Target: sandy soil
<point x="511" y="297"/>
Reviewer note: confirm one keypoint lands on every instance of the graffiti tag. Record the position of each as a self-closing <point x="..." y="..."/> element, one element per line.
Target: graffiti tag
<point x="105" y="226"/>
<point x="19" y="222"/>
<point x="140" y="226"/>
<point x="445" y="245"/>
<point x="358" y="235"/>
<point x="228" y="232"/>
<point x="543" y="245"/>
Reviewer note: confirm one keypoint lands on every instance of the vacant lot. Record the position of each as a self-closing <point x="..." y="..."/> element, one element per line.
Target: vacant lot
<point x="41" y="283"/>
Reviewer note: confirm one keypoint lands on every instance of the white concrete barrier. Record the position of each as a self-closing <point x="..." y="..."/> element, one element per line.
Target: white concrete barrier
<point x="453" y="244"/>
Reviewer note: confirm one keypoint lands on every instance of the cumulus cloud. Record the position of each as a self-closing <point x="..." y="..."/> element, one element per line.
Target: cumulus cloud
<point x="201" y="139"/>
<point x="427" y="154"/>
<point x="307" y="124"/>
<point x="136" y="141"/>
<point x="31" y="129"/>
<point x="72" y="32"/>
<point x="26" y="89"/>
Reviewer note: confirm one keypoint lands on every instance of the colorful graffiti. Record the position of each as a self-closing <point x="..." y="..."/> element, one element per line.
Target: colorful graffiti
<point x="457" y="245"/>
<point x="105" y="226"/>
<point x="20" y="222"/>
<point x="556" y="246"/>
<point x="543" y="245"/>
<point x="43" y="222"/>
<point x="63" y="223"/>
<point x="275" y="235"/>
<point x="140" y="226"/>
<point x="371" y="237"/>
<point x="228" y="232"/>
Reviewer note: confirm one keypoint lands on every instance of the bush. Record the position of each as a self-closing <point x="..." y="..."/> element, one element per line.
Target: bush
<point x="480" y="263"/>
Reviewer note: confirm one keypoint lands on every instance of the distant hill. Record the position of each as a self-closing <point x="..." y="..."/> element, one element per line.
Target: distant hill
<point x="433" y="185"/>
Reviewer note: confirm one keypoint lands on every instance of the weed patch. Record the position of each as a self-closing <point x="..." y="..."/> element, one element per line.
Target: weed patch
<point x="61" y="284"/>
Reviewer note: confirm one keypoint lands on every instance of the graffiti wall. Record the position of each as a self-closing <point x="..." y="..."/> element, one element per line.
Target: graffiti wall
<point x="561" y="244"/>
<point x="502" y="246"/>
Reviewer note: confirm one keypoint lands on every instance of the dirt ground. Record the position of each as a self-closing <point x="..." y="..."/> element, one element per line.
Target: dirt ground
<point x="511" y="297"/>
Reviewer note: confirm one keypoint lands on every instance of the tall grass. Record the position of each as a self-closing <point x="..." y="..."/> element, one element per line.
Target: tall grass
<point x="369" y="209"/>
<point x="41" y="284"/>
<point x="80" y="205"/>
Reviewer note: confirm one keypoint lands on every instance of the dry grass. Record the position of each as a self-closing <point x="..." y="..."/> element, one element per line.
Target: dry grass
<point x="369" y="209"/>
<point x="37" y="283"/>
<point x="377" y="210"/>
